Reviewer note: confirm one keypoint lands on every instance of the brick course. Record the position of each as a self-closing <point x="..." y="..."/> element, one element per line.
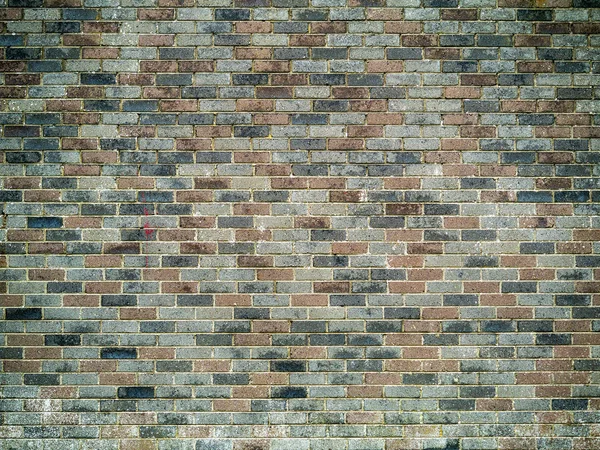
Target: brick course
<point x="294" y="224"/>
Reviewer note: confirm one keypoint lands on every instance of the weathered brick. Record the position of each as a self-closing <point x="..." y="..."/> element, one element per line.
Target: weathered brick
<point x="312" y="216"/>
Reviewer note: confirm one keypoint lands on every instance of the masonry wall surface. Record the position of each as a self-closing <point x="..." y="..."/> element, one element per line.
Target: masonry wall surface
<point x="299" y="224"/>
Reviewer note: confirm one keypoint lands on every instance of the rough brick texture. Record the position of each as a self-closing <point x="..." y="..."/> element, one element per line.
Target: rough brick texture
<point x="299" y="224"/>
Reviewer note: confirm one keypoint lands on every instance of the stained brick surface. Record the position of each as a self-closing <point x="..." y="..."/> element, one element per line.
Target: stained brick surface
<point x="299" y="224"/>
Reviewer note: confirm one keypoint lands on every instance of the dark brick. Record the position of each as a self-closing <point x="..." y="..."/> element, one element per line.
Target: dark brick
<point x="569" y="404"/>
<point x="288" y="366"/>
<point x="62" y="340"/>
<point x="118" y="353"/>
<point x="251" y="313"/>
<point x="11" y="353"/>
<point x="64" y="287"/>
<point x="250" y="79"/>
<point x="481" y="261"/>
<point x="402" y="313"/>
<point x="119" y="300"/>
<point x="330" y="261"/>
<point x="101" y="105"/>
<point x="534" y="326"/>
<point x="41" y="379"/>
<point x="331" y="105"/>
<point x="534" y="15"/>
<point x="553" y="339"/>
<point x="586" y="313"/>
<point x="23" y="157"/>
<point x="289" y="392"/>
<point x="328" y="79"/>
<point x="252" y="132"/>
<point x="135" y="392"/>
<point x="573" y="300"/>
<point x="23" y="313"/>
<point x="537" y="248"/>
<point x="23" y="53"/>
<point x="63" y="27"/>
<point x="460" y="300"/>
<point x="44" y="222"/>
<point x="214" y="340"/>
<point x="232" y="14"/>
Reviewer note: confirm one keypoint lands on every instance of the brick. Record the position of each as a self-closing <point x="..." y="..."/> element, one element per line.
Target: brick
<point x="367" y="226"/>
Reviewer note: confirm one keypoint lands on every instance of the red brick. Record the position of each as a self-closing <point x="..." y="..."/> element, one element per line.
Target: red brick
<point x="478" y="80"/>
<point x="156" y="40"/>
<point x="459" y="14"/>
<point x="350" y="92"/>
<point x="462" y="92"/>
<point x="424" y="248"/>
<point x="402" y="27"/>
<point x="253" y="27"/>
<point x="307" y="40"/>
<point x="402" y="209"/>
<point x="345" y="144"/>
<point x="528" y="40"/>
<point x="156" y="14"/>
<point x="100" y="53"/>
<point x="379" y="66"/>
<point x="160" y="92"/>
<point x="255" y="261"/>
<point x="253" y="53"/>
<point x="419" y="40"/>
<point x="330" y="27"/>
<point x="255" y="105"/>
<point x="312" y="222"/>
<point x="196" y="66"/>
<point x="345" y="196"/>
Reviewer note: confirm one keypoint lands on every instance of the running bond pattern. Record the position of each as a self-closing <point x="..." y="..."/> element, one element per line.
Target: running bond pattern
<point x="299" y="224"/>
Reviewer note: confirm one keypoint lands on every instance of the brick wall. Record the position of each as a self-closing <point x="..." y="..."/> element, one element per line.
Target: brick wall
<point x="294" y="224"/>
